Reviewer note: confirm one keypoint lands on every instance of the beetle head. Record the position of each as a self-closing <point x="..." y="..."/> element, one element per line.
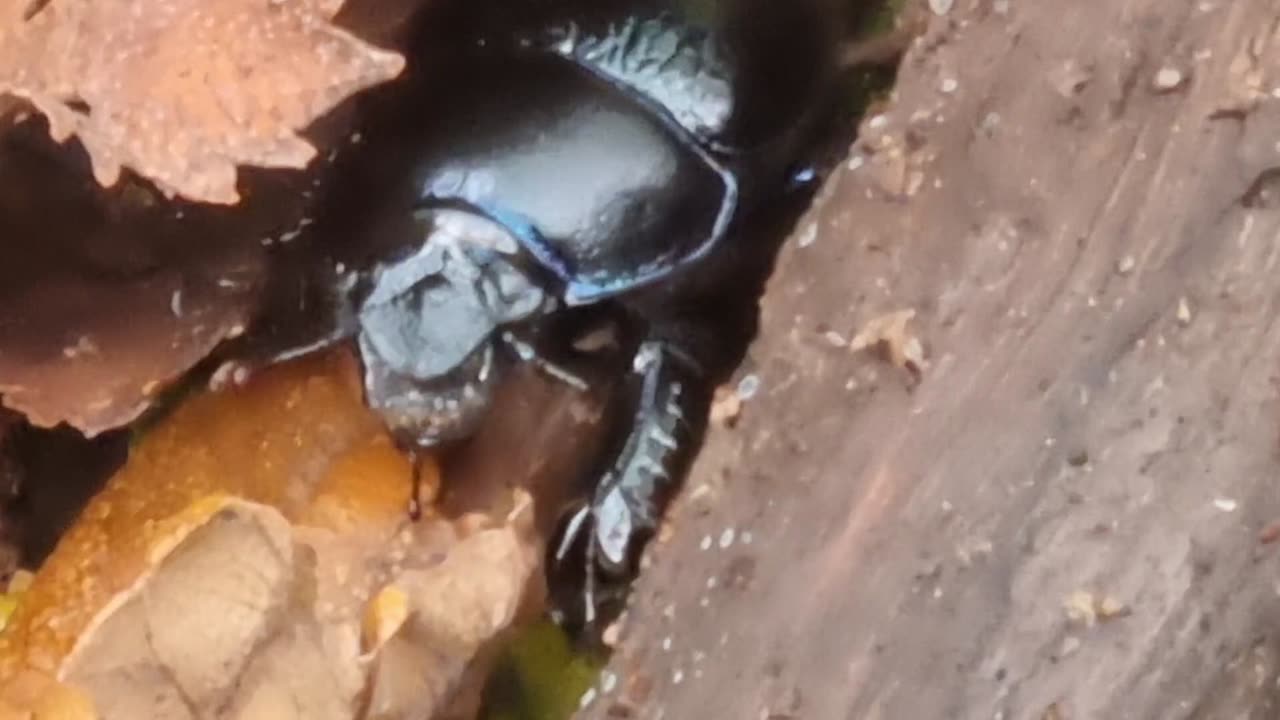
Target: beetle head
<point x="427" y="325"/>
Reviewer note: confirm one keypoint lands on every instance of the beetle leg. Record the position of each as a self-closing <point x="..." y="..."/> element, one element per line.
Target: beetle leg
<point x="666" y="395"/>
<point x="579" y="601"/>
<point x="577" y="528"/>
<point x="528" y="353"/>
<point x="630" y="499"/>
<point x="573" y="528"/>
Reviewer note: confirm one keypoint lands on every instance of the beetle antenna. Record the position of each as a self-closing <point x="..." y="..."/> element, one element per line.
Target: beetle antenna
<point x="526" y="352"/>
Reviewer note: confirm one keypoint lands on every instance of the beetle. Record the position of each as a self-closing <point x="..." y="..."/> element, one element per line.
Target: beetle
<point x="548" y="158"/>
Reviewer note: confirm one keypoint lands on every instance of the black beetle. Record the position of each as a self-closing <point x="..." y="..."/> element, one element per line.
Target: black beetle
<point x="552" y="156"/>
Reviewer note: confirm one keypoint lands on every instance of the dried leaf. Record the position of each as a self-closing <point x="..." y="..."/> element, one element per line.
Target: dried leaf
<point x="232" y="567"/>
<point x="107" y="296"/>
<point x="1088" y="608"/>
<point x="890" y="332"/>
<point x="196" y="454"/>
<point x="183" y="91"/>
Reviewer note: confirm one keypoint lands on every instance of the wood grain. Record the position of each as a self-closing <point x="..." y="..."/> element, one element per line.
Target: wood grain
<point x="1091" y="254"/>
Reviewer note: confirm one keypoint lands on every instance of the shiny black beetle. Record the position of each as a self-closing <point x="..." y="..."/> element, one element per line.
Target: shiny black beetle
<point x="568" y="154"/>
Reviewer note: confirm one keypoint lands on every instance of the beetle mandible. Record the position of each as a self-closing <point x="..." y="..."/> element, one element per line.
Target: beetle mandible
<point x="568" y="154"/>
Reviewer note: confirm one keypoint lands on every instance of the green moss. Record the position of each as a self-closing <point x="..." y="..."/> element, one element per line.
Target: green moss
<point x="880" y="19"/>
<point x="868" y="85"/>
<point x="540" y="677"/>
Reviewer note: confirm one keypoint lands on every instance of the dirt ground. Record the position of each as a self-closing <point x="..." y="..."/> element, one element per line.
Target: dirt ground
<point x="1070" y="512"/>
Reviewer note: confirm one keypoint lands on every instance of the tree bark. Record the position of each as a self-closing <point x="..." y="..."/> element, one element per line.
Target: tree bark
<point x="1081" y="203"/>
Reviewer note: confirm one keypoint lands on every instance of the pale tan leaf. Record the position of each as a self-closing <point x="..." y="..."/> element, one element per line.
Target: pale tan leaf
<point x="890" y="333"/>
<point x="254" y="559"/>
<point x="180" y="639"/>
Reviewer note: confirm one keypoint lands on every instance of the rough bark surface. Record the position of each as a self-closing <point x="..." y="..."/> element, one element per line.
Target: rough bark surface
<point x="1081" y="202"/>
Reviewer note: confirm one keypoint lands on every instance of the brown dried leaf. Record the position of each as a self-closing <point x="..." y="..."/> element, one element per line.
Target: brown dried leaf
<point x="108" y="295"/>
<point x="890" y="332"/>
<point x="1246" y="80"/>
<point x="254" y="559"/>
<point x="183" y="91"/>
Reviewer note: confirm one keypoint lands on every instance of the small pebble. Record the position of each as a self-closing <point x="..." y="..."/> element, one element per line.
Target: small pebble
<point x="1168" y="79"/>
<point x="1225" y="504"/>
<point x="706" y="543"/>
<point x="666" y="644"/>
<point x="677" y="677"/>
<point x="665" y="533"/>
<point x="748" y="386"/>
<point x="611" y="635"/>
<point x="949" y="85"/>
<point x="941" y="7"/>
<point x="1125" y="265"/>
<point x="587" y="698"/>
<point x="808" y="235"/>
<point x="608" y="681"/>
<point x="1184" y="311"/>
<point x="747" y="537"/>
<point x="726" y="538"/>
<point x="1070" y="644"/>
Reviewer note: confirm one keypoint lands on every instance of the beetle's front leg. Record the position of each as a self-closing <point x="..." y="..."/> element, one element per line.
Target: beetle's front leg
<point x="666" y="396"/>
